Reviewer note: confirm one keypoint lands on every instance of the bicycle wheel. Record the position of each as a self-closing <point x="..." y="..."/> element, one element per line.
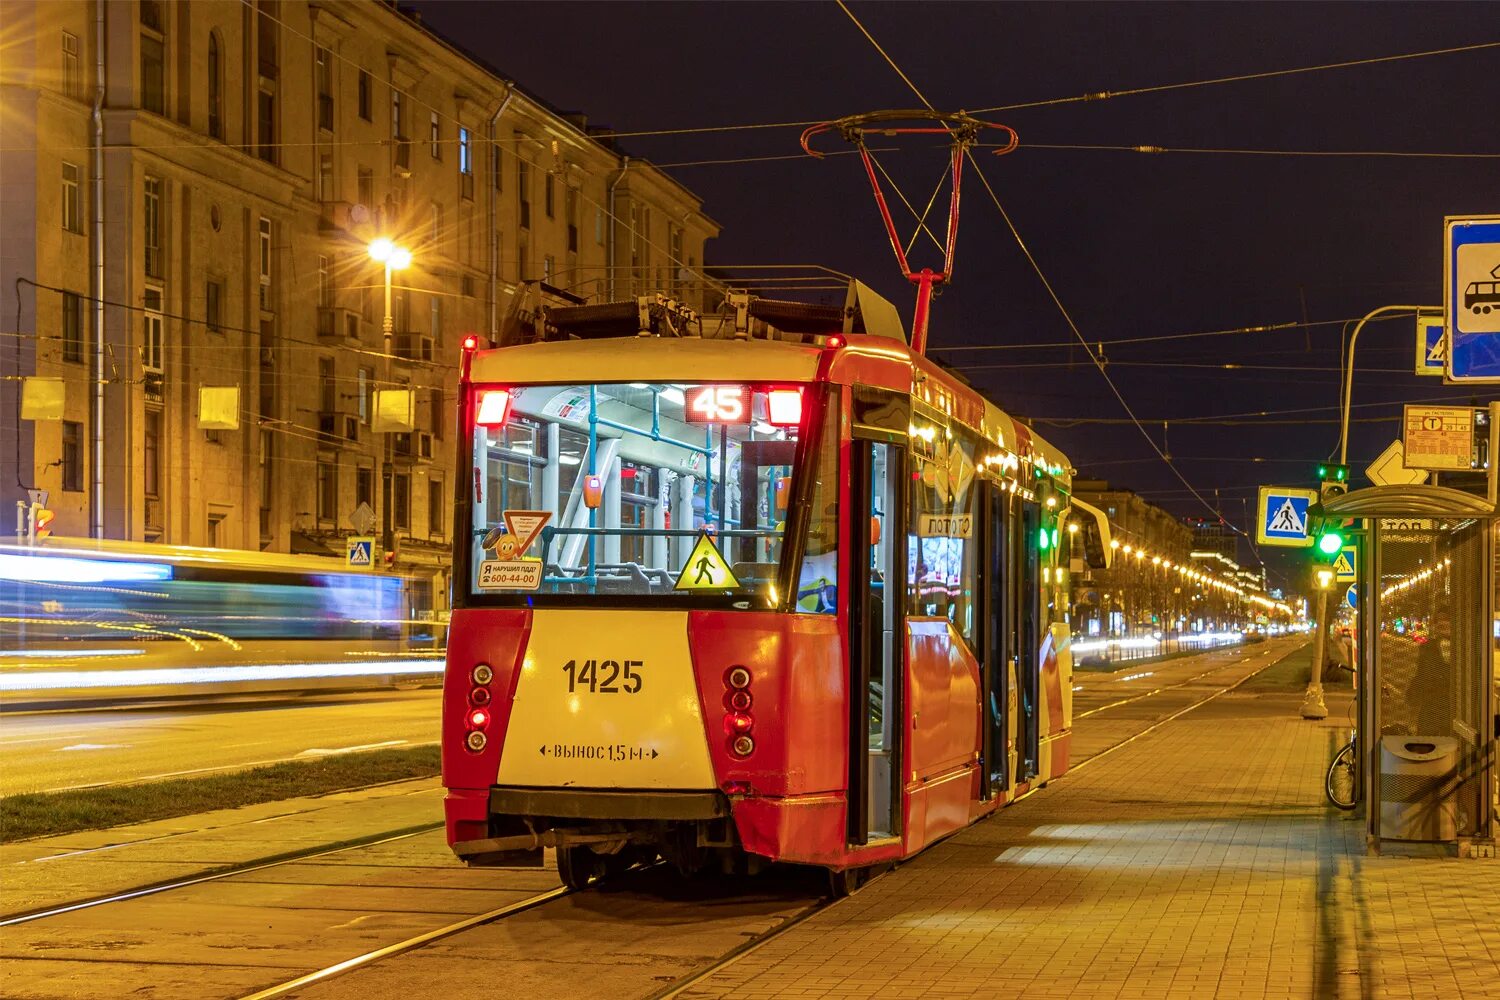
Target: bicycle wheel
<point x="1340" y="785"/>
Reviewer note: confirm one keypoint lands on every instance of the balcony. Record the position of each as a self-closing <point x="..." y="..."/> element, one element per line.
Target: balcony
<point x="335" y="428"/>
<point x="413" y="347"/>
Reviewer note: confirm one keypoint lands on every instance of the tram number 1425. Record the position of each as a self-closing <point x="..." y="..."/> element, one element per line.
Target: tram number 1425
<point x="603" y="677"/>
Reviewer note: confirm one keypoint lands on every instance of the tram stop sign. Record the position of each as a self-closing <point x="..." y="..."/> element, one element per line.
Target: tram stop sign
<point x="1471" y="297"/>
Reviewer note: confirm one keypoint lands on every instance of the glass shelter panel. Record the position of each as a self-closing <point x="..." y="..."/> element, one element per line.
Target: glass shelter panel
<point x="667" y="490"/>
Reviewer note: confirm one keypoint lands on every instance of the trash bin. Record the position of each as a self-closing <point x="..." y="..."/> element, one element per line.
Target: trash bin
<point x="1417" y="788"/>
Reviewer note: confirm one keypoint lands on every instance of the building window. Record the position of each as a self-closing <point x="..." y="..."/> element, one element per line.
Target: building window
<point x="548" y="265"/>
<point x="327" y="387"/>
<point x="397" y="126"/>
<point x="265" y="34"/>
<point x="151" y="227"/>
<point x="72" y="69"/>
<point x="325" y="177"/>
<point x="365" y="187"/>
<point x="265" y="263"/>
<point x="437" y="225"/>
<point x="435" y="314"/>
<point x="266" y="126"/>
<point x="366" y="86"/>
<point x="323" y="67"/>
<point x="213" y="305"/>
<point x="72" y="456"/>
<point x="401" y="501"/>
<point x="328" y="489"/>
<point x="599" y="226"/>
<point x="364" y="486"/>
<point x="465" y="165"/>
<point x="435" y="134"/>
<point x="439" y="416"/>
<point x="549" y="195"/>
<point x="435" y="512"/>
<point x="151" y="331"/>
<point x="72" y="327"/>
<point x="215" y="87"/>
<point x="570" y="203"/>
<point x="523" y="189"/>
<point x="72" y="205"/>
<point x="497" y="174"/>
<point x="214" y="536"/>
<point x="325" y="283"/>
<point x="151" y="454"/>
<point x="153" y="73"/>
<point x="364" y="382"/>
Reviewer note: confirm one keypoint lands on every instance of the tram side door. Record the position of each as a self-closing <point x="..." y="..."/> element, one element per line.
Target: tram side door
<point x="997" y="659"/>
<point x="1027" y="654"/>
<point x="877" y="594"/>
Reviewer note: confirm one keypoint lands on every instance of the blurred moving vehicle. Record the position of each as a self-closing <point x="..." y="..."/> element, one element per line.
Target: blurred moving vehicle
<point x="85" y="619"/>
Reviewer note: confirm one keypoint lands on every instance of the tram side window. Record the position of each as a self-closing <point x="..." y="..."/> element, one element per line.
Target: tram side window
<point x="942" y="544"/>
<point x="817" y="578"/>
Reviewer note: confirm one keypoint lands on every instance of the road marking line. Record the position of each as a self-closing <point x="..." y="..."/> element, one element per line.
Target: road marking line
<point x="326" y="752"/>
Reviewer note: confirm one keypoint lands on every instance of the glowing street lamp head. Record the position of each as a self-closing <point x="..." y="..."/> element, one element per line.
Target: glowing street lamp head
<point x="382" y="249"/>
<point x="400" y="259"/>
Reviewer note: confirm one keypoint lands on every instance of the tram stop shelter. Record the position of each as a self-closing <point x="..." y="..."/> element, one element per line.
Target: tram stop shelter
<point x="1428" y="630"/>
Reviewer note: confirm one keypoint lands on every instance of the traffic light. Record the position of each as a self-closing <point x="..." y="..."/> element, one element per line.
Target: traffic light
<point x="1330" y="539"/>
<point x="1333" y="481"/>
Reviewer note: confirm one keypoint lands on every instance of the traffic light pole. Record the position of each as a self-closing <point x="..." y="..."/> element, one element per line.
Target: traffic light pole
<point x="1312" y="702"/>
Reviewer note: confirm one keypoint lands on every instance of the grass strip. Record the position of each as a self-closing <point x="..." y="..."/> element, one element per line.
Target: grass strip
<point x="44" y="814"/>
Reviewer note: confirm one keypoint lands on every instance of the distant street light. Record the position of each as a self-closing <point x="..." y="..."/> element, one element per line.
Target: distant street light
<point x="395" y="258"/>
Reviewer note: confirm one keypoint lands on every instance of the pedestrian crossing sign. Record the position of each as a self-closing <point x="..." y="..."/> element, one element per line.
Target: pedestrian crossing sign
<point x="1343" y="566"/>
<point x="359" y="552"/>
<point x="1283" y="516"/>
<point x="706" y="569"/>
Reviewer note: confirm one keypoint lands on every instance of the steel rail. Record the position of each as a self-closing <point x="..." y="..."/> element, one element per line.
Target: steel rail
<point x="410" y="944"/>
<point x="1169" y="687"/>
<point x="385" y="837"/>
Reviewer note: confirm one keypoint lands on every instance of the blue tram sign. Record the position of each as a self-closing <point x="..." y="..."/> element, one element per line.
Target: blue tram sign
<point x="1471" y="297"/>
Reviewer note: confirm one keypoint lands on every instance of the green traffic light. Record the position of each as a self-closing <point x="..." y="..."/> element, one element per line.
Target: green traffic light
<point x="1330" y="543"/>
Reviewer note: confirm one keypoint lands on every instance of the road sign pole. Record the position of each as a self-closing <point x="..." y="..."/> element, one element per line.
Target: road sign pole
<point x="1312" y="702"/>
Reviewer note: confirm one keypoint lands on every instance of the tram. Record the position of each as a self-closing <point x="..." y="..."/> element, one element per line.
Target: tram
<point x="787" y="591"/>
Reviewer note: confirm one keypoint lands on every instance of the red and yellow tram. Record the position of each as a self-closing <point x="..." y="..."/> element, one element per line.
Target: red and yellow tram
<point x="792" y="593"/>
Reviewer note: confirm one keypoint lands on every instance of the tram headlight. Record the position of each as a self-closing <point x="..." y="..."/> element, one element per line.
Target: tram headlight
<point x="483" y="674"/>
<point x="475" y="741"/>
<point x="743" y="746"/>
<point x="479" y="718"/>
<point x="739" y="722"/>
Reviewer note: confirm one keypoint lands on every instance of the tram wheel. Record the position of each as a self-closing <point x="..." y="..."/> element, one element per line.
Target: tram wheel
<point x="579" y="867"/>
<point x="843" y="882"/>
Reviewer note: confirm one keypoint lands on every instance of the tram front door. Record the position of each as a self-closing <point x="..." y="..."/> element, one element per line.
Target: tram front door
<point x="997" y="663"/>
<point x="876" y="640"/>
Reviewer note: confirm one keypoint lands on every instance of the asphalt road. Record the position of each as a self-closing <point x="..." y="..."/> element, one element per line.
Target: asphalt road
<point x="56" y="750"/>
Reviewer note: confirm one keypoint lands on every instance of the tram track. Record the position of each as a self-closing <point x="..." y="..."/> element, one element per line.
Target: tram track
<point x="1170" y="687"/>
<point x="605" y="947"/>
<point x="260" y="864"/>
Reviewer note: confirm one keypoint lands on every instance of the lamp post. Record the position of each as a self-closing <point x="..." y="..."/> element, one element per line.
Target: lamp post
<point x="395" y="258"/>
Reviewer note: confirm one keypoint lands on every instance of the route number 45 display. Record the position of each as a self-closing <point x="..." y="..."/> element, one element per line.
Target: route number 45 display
<point x="718" y="404"/>
<point x="603" y="677"/>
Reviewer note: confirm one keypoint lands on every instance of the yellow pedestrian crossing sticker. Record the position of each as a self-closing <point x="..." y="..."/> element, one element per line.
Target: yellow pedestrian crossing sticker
<point x="706" y="569"/>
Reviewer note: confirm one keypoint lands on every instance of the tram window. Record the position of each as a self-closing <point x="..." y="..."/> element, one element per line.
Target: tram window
<point x="817" y="577"/>
<point x="942" y="547"/>
<point x="636" y="487"/>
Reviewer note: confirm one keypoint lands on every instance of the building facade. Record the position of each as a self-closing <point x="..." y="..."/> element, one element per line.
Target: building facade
<point x="190" y="191"/>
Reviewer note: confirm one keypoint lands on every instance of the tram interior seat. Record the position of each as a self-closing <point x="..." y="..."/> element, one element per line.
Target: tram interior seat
<point x="751" y="573"/>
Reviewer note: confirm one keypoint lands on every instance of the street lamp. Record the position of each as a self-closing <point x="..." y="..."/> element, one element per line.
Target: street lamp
<point x="395" y="258"/>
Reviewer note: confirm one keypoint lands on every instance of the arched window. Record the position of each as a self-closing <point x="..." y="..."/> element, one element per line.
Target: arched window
<point x="215" y="86"/>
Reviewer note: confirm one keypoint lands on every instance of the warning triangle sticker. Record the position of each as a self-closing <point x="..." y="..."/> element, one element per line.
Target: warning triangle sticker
<point x="524" y="526"/>
<point x="1437" y="352"/>
<point x="1342" y="566"/>
<point x="706" y="569"/>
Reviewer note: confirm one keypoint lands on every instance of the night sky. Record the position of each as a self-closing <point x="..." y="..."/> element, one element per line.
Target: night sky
<point x="1136" y="245"/>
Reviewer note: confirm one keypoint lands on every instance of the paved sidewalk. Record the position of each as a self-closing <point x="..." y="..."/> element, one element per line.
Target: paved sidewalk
<point x="52" y="871"/>
<point x="1197" y="861"/>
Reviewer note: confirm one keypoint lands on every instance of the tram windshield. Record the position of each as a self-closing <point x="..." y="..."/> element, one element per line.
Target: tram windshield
<point x="665" y="490"/>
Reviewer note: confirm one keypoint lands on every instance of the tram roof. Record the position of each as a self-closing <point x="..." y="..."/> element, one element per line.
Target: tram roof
<point x="694" y="359"/>
<point x="231" y="559"/>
